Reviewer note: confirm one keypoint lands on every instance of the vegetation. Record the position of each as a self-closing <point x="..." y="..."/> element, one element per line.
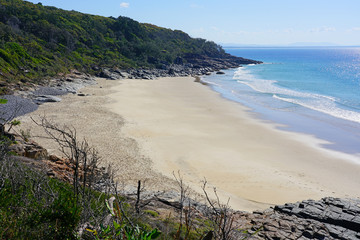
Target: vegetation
<point x="39" y="41"/>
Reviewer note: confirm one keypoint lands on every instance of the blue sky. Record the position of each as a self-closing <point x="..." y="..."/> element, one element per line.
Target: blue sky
<point x="265" y="22"/>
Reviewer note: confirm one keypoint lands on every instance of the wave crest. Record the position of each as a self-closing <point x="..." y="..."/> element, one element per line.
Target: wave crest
<point x="321" y="103"/>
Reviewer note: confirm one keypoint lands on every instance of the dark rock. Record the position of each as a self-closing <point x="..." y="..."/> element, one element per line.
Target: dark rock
<point x="109" y="74"/>
<point x="329" y="218"/>
<point x="220" y="72"/>
<point x="47" y="98"/>
<point x="96" y="68"/>
<point x="49" y="91"/>
<point x="51" y="173"/>
<point x="171" y="71"/>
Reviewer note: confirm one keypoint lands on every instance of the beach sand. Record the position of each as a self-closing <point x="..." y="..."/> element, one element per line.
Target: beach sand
<point x="147" y="129"/>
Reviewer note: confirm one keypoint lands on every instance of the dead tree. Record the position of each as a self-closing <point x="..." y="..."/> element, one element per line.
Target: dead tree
<point x="185" y="216"/>
<point x="83" y="158"/>
<point x="220" y="215"/>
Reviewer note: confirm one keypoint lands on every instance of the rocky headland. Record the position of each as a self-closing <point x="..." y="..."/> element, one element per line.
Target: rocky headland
<point x="25" y="99"/>
<point x="191" y="64"/>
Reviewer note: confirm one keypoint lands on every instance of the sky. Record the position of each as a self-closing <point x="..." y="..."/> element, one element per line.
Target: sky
<point x="259" y="22"/>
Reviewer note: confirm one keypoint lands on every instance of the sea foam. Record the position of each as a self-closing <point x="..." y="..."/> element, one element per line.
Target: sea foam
<point x="321" y="103"/>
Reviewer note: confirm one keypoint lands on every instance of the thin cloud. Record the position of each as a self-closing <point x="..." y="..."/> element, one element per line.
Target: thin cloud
<point x="323" y="29"/>
<point x="124" y="5"/>
<point x="355" y="29"/>
<point x="289" y="30"/>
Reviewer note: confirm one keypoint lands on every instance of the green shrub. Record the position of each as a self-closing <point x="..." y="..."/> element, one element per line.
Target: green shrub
<point x="34" y="207"/>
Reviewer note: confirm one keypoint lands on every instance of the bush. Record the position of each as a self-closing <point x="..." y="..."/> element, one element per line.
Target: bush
<point x="35" y="206"/>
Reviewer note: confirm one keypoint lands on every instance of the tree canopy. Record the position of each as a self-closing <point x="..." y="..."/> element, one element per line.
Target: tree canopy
<point x="38" y="41"/>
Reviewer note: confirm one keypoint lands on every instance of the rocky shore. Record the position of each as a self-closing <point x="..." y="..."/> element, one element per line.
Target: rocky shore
<point x="26" y="100"/>
<point x="195" y="65"/>
<point x="328" y="218"/>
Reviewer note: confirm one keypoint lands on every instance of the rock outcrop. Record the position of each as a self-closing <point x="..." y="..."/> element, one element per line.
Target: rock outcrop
<point x="190" y="64"/>
<point x="329" y="218"/>
<point x="29" y="149"/>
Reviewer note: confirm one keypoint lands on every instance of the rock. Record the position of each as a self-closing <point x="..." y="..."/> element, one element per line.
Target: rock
<point x="123" y="74"/>
<point x="17" y="149"/>
<point x="329" y="218"/>
<point x="220" y="72"/>
<point x="29" y="149"/>
<point x="95" y="68"/>
<point x="54" y="158"/>
<point x="47" y="98"/>
<point x="109" y="74"/>
<point x="51" y="173"/>
<point x="49" y="91"/>
<point x="171" y="71"/>
<point x="34" y="151"/>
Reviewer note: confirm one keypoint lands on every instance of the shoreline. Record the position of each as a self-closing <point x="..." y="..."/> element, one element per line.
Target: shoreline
<point x="272" y="118"/>
<point x="177" y="124"/>
<point x="337" y="134"/>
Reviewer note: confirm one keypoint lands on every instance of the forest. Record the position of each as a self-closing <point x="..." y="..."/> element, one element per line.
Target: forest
<point x="39" y="41"/>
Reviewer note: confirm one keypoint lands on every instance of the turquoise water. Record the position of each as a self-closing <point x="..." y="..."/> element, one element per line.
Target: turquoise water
<point x="310" y="90"/>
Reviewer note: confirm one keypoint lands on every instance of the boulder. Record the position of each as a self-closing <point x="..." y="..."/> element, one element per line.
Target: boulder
<point x="46" y="98"/>
<point x="107" y="73"/>
<point x="328" y="218"/>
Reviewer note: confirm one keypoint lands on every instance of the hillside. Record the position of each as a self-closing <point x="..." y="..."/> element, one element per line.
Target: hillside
<point x="39" y="41"/>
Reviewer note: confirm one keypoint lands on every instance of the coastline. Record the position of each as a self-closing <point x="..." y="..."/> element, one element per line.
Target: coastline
<point x="169" y="124"/>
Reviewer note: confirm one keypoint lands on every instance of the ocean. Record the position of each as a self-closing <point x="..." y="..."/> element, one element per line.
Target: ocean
<point x="315" y="91"/>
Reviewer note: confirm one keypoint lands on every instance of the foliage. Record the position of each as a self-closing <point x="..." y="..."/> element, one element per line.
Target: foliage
<point x="33" y="206"/>
<point x="38" y="41"/>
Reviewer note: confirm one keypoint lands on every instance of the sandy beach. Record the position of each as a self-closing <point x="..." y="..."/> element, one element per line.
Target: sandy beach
<point x="146" y="129"/>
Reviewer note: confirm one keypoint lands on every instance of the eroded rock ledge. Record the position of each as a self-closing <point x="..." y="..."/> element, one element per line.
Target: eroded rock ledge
<point x="328" y="218"/>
